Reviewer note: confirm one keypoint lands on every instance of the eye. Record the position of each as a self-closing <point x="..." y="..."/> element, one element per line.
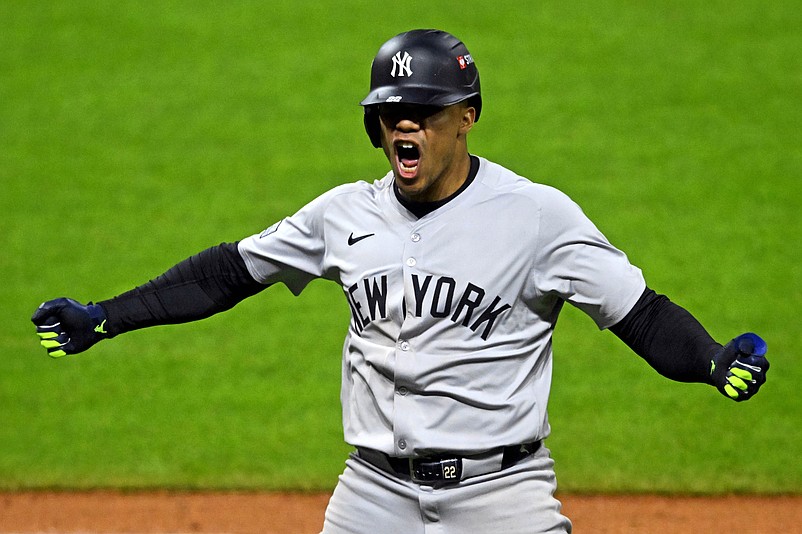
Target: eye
<point x="424" y="112"/>
<point x="394" y="113"/>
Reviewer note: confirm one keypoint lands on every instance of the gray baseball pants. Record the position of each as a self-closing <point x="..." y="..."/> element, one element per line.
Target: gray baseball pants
<point x="517" y="500"/>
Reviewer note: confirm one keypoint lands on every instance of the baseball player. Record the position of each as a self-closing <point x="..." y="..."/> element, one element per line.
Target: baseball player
<point x="455" y="270"/>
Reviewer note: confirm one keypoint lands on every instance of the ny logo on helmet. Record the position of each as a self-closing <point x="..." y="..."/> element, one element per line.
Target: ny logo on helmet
<point x="402" y="64"/>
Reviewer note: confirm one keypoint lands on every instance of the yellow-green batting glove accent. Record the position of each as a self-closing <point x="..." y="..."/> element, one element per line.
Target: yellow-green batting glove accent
<point x="49" y="338"/>
<point x="46" y="336"/>
<point x="740" y="378"/>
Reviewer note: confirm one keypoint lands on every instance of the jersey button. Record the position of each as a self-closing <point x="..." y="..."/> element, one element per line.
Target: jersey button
<point x="415" y="237"/>
<point x="411" y="262"/>
<point x="402" y="444"/>
<point x="403" y="391"/>
<point x="404" y="346"/>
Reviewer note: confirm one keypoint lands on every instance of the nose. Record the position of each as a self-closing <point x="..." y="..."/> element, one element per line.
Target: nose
<point x="407" y="125"/>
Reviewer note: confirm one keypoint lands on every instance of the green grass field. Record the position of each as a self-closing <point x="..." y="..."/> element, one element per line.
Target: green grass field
<point x="135" y="134"/>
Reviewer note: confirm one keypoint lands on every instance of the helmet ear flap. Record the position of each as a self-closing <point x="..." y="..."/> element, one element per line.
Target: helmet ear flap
<point x="372" y="126"/>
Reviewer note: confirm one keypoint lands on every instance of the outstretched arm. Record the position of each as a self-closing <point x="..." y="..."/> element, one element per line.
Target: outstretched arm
<point x="675" y="344"/>
<point x="200" y="286"/>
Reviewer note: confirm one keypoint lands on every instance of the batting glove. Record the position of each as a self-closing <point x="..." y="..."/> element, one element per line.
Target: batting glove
<point x="739" y="368"/>
<point x="65" y="326"/>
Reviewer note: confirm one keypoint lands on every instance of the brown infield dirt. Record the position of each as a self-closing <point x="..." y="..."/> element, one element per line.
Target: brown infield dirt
<point x="281" y="513"/>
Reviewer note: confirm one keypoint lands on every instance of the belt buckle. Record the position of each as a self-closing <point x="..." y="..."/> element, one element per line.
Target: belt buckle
<point x="448" y="470"/>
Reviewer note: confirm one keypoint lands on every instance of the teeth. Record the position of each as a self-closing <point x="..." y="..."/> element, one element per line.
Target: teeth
<point x="407" y="150"/>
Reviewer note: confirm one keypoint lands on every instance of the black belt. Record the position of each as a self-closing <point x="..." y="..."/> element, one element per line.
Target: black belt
<point x="445" y="468"/>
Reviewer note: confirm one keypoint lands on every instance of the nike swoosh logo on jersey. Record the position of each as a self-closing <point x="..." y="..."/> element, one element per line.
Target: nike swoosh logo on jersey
<point x="354" y="240"/>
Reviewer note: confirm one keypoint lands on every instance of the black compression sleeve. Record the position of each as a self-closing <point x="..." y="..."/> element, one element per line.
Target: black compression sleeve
<point x="669" y="338"/>
<point x="209" y="282"/>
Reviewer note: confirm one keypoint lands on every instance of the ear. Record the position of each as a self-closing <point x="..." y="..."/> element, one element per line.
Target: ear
<point x="467" y="119"/>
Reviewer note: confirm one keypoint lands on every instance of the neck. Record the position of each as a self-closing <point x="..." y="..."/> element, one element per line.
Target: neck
<point x="420" y="209"/>
<point x="446" y="184"/>
<point x="450" y="184"/>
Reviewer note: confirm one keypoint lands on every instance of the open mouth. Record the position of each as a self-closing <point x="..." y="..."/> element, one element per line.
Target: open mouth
<point x="408" y="158"/>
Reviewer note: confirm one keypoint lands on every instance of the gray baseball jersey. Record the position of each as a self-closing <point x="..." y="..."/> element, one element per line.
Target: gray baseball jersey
<point x="449" y="346"/>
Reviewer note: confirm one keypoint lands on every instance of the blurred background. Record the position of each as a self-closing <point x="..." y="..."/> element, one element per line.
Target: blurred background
<point x="134" y="134"/>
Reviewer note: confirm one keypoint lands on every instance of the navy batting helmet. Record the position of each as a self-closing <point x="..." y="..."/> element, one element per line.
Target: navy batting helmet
<point x="427" y="67"/>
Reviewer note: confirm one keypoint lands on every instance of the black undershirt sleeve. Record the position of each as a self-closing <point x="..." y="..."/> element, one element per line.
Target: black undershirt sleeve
<point x="669" y="338"/>
<point x="207" y="283"/>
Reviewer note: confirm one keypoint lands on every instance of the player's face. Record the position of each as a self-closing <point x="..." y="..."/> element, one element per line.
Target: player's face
<point x="427" y="148"/>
